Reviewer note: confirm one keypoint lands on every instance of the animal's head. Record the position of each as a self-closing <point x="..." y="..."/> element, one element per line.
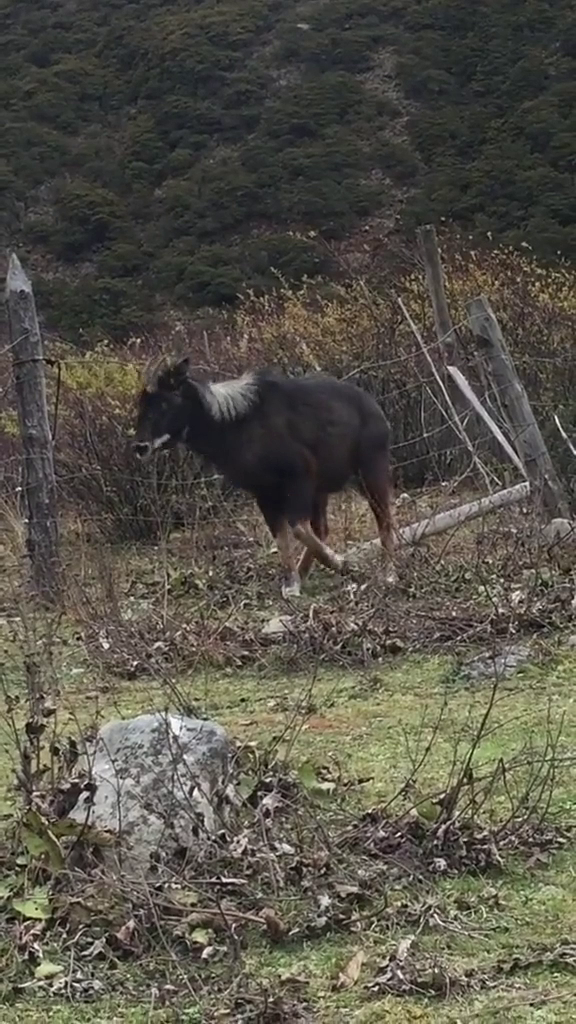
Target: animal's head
<point x="161" y="417"/>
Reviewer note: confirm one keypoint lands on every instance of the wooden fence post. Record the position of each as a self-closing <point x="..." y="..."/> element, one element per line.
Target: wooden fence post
<point x="38" y="482"/>
<point x="525" y="432"/>
<point x="430" y="253"/>
<point x="446" y="333"/>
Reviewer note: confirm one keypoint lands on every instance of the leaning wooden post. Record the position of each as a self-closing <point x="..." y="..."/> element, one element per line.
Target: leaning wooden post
<point x="525" y="432"/>
<point x="39" y="485"/>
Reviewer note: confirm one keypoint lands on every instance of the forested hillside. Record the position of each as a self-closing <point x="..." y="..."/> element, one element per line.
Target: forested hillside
<point x="172" y="153"/>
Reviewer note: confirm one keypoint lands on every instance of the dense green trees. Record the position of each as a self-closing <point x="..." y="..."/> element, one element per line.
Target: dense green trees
<point x="181" y="151"/>
<point x="496" y="123"/>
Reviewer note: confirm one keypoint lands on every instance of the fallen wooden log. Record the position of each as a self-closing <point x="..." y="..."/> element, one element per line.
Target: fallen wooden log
<point x="442" y="521"/>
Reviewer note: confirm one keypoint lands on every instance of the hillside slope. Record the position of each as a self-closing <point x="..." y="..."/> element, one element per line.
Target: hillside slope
<point x="176" y="152"/>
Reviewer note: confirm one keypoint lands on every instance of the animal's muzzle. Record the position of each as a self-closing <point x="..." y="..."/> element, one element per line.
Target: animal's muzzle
<point x="142" y="449"/>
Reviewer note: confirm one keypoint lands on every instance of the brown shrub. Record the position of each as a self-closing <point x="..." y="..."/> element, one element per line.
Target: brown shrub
<point x="354" y="330"/>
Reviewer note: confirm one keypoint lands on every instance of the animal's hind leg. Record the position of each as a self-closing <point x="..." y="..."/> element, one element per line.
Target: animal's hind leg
<point x="318" y="549"/>
<point x="376" y="486"/>
<point x="301" y="499"/>
<point x="319" y="523"/>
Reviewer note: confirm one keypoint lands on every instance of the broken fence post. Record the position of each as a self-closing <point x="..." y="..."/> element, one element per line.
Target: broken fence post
<point x="38" y="481"/>
<point x="459" y="378"/>
<point x="430" y="253"/>
<point x="451" y="414"/>
<point x="445" y="331"/>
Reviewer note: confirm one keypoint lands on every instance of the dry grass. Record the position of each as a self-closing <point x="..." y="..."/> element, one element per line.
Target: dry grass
<point x="369" y="679"/>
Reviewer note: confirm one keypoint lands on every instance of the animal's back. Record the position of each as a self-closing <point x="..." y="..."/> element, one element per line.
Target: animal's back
<point x="334" y="421"/>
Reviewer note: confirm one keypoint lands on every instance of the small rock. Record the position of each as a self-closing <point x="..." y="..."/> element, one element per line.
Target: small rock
<point x="501" y="665"/>
<point x="394" y="645"/>
<point x="558" y="530"/>
<point x="277" y="626"/>
<point x="159" y="781"/>
<point x="559" y="536"/>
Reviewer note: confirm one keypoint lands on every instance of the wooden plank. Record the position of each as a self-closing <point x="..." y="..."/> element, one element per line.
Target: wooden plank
<point x="459" y="378"/>
<point x="452" y="416"/>
<point x="525" y="433"/>
<point x="38" y="484"/>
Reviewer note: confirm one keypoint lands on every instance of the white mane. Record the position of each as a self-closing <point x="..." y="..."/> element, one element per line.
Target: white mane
<point x="230" y="399"/>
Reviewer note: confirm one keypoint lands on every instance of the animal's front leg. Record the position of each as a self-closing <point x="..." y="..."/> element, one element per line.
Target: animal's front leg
<point x="291" y="581"/>
<point x="278" y="526"/>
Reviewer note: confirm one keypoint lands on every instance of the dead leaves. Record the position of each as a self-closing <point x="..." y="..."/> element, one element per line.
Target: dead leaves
<point x="397" y="975"/>
<point x="350" y="974"/>
<point x="405" y="973"/>
<point x="125" y="940"/>
<point x="275" y="927"/>
<point x="200" y="926"/>
<point x="420" y="846"/>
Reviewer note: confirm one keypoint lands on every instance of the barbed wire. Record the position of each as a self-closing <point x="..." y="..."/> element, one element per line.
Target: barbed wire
<point x="417" y="384"/>
<point x="17" y="459"/>
<point x="104" y="483"/>
<point x="53" y="362"/>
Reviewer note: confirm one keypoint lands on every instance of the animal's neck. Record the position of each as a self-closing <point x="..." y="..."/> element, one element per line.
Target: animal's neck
<point x="228" y="401"/>
<point x="209" y="436"/>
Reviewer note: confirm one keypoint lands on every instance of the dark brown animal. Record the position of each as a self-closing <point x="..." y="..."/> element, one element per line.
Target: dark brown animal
<point x="288" y="441"/>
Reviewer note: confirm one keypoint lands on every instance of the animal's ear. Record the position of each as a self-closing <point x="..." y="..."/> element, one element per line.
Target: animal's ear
<point x="180" y="370"/>
<point x="172" y="378"/>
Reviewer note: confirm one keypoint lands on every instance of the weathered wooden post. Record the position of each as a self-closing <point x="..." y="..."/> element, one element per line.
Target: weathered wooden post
<point x="525" y="432"/>
<point x="430" y="253"/>
<point x="448" y="338"/>
<point x="38" y="482"/>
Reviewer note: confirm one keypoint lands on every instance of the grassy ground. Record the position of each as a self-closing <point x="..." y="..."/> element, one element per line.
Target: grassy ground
<point x="354" y="721"/>
<point x="372" y="723"/>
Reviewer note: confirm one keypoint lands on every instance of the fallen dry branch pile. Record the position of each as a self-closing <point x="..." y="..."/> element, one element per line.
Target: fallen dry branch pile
<point x="504" y="587"/>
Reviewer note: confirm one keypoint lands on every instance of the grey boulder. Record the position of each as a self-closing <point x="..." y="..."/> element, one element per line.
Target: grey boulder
<point x="497" y="665"/>
<point x="158" y="781"/>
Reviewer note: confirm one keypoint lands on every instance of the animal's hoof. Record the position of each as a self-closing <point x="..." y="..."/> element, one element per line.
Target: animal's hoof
<point x="350" y="566"/>
<point x="291" y="588"/>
